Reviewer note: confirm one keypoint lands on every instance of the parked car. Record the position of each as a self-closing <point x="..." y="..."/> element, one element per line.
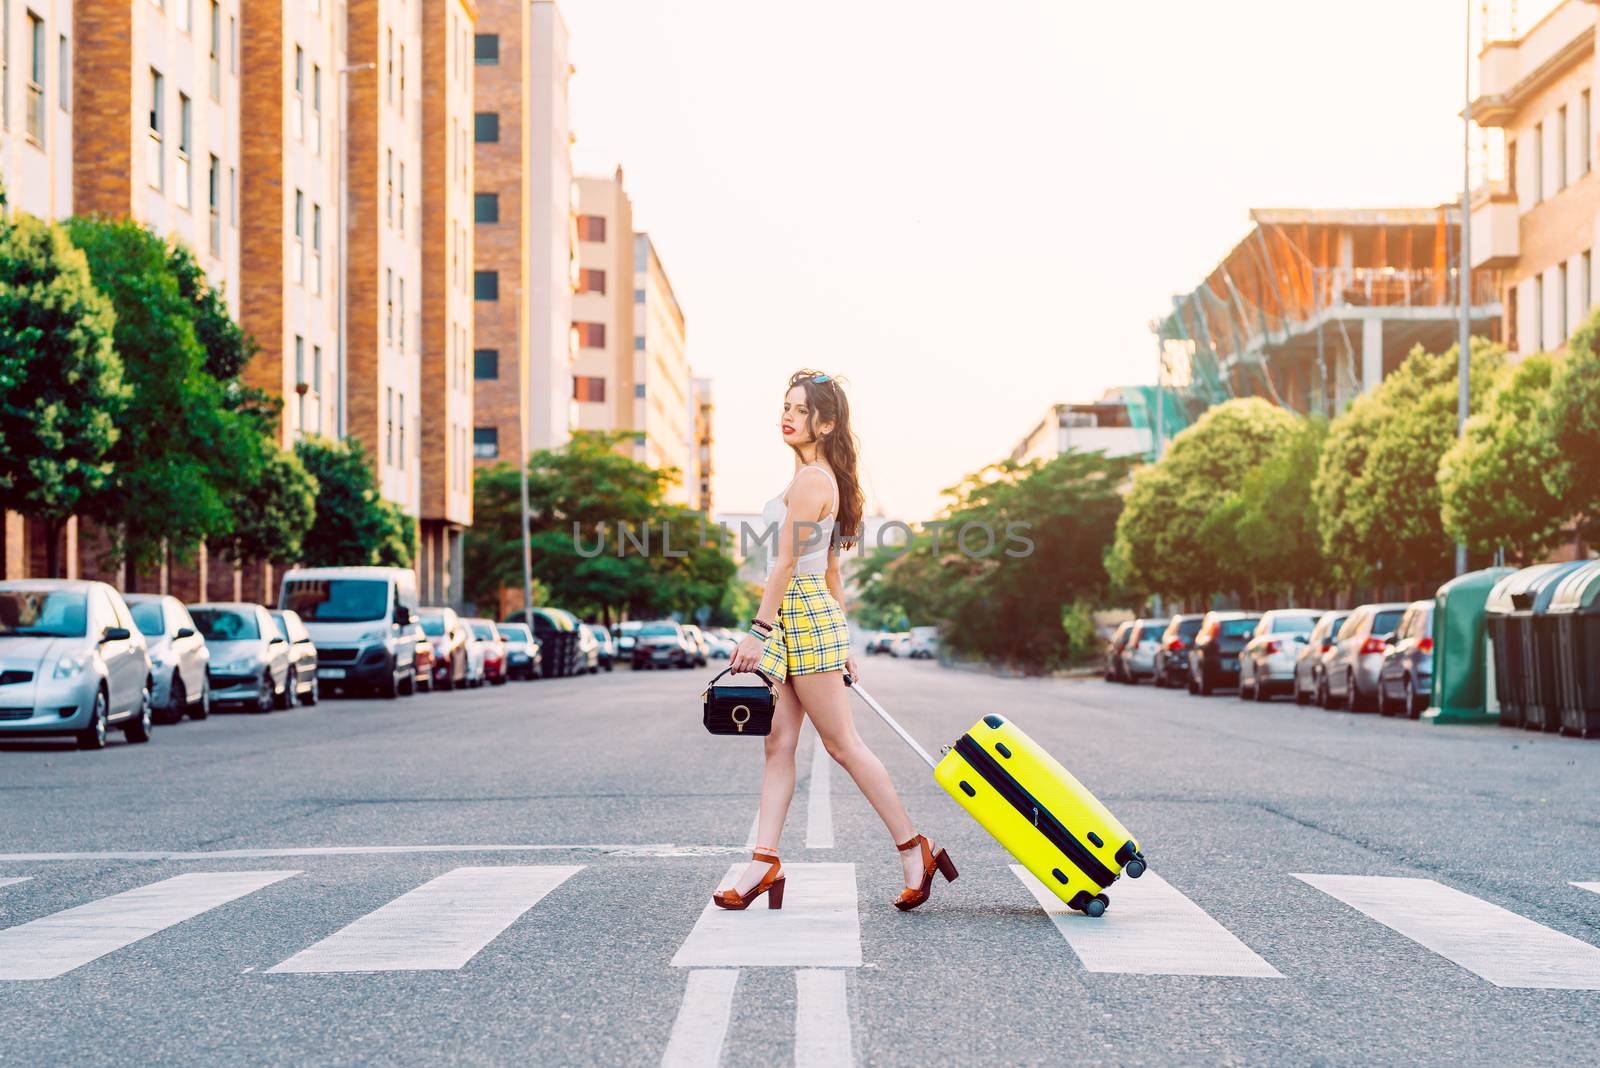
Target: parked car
<point x="424" y="657"/>
<point x="626" y="632"/>
<point x="1312" y="659"/>
<point x="71" y="662"/>
<point x="522" y="651"/>
<point x="494" y="650"/>
<point x="697" y="643"/>
<point x="249" y="658"/>
<point x="362" y="620"/>
<point x="924" y="643"/>
<point x="1172" y="659"/>
<point x="178" y="657"/>
<point x="1405" y="679"/>
<point x="720" y="646"/>
<point x="303" y="683"/>
<point x="1350" y="674"/>
<point x="1138" y="655"/>
<point x="661" y="643"/>
<point x="1214" y="659"/>
<point x="901" y="645"/>
<point x="880" y="642"/>
<point x="448" y="636"/>
<point x="1119" y="638"/>
<point x="607" y="646"/>
<point x="1266" y="666"/>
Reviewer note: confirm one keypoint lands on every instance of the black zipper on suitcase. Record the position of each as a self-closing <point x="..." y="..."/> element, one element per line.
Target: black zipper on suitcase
<point x="1020" y="799"/>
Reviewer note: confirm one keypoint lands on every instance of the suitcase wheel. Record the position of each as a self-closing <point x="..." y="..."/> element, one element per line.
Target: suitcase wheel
<point x="1134" y="868"/>
<point x="1096" y="906"/>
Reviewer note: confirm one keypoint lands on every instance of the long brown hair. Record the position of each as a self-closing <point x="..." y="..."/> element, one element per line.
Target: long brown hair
<point x="825" y="397"/>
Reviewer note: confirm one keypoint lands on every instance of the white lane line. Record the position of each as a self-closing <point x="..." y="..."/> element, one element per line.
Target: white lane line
<point x="11" y="880"/>
<point x="621" y="849"/>
<point x="54" y="945"/>
<point x="440" y="925"/>
<point x="819" y="797"/>
<point x="821" y="1020"/>
<point x="818" y="926"/>
<point x="1593" y="888"/>
<point x="702" y="1023"/>
<point x="1151" y="928"/>
<point x="1506" y="949"/>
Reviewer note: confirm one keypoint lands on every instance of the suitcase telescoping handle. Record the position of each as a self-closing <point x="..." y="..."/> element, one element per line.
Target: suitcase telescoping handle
<point x="901" y="731"/>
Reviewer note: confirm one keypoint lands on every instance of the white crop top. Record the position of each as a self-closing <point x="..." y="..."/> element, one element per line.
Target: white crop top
<point x="815" y="559"/>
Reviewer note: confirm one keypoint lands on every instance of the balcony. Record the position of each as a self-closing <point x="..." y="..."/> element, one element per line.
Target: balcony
<point x="1495" y="240"/>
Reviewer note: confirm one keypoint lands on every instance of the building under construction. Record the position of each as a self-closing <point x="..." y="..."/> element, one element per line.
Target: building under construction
<point x="1314" y="306"/>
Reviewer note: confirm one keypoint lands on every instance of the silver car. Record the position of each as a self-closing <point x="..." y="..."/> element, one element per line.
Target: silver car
<point x="1309" y="664"/>
<point x="71" y="662"/>
<point x="178" y="656"/>
<point x="1138" y="654"/>
<point x="1268" y="661"/>
<point x="1350" y="672"/>
<point x="249" y="658"/>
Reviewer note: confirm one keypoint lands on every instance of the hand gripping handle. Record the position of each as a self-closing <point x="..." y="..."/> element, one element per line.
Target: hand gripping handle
<point x="901" y="731"/>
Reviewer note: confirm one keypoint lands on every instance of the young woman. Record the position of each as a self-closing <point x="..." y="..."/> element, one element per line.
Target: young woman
<point x="799" y="639"/>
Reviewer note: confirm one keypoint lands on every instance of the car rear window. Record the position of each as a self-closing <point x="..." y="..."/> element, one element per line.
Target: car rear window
<point x="1293" y="624"/>
<point x="650" y="630"/>
<point x="485" y="631"/>
<point x="225" y="624"/>
<point x="1188" y="628"/>
<point x="147" y="617"/>
<point x="1238" y="628"/>
<point x="1386" y="622"/>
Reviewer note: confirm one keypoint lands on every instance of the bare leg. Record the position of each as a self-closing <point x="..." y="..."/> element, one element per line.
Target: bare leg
<point x="777" y="782"/>
<point x="823" y="696"/>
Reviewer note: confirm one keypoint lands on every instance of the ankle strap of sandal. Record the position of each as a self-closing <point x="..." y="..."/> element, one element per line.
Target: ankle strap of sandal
<point x="765" y="855"/>
<point x="909" y="844"/>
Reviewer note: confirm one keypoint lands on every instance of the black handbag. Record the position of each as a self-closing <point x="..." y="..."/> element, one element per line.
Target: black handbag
<point x="731" y="709"/>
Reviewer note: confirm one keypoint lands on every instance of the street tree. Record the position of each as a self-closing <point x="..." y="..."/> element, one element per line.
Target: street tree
<point x="1161" y="547"/>
<point x="354" y="525"/>
<point x="1492" y="487"/>
<point x="181" y="447"/>
<point x="1572" y="423"/>
<point x="275" y="511"/>
<point x="61" y="390"/>
<point x="1276" y="528"/>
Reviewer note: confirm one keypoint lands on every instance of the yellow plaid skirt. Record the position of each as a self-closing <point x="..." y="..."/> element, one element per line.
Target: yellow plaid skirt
<point x="810" y="634"/>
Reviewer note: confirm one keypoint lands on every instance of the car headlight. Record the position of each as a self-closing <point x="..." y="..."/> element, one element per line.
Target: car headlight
<point x="72" y="665"/>
<point x="374" y="635"/>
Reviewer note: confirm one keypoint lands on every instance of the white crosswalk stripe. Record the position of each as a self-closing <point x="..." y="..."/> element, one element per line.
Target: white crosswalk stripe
<point x="819" y="796"/>
<point x="1150" y="929"/>
<point x="818" y="926"/>
<point x="821" y="1019"/>
<point x="1593" y="888"/>
<point x="702" y="1024"/>
<point x="11" y="880"/>
<point x="440" y="925"/>
<point x="54" y="945"/>
<point x="1506" y="949"/>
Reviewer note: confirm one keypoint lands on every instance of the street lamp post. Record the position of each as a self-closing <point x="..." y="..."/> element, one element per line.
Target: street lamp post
<point x="1464" y="275"/>
<point x="344" y="233"/>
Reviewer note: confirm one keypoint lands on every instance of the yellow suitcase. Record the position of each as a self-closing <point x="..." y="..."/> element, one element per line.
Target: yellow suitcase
<point x="1033" y="807"/>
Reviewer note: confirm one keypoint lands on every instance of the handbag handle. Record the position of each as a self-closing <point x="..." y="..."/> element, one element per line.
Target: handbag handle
<point x="729" y="668"/>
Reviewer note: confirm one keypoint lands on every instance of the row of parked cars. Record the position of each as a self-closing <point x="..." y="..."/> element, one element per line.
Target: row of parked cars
<point x="667" y="643"/>
<point x="78" y="658"/>
<point x="918" y="643"/>
<point x="1374" y="657"/>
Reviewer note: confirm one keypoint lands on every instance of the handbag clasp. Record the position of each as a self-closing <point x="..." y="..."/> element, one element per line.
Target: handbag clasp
<point x="737" y="721"/>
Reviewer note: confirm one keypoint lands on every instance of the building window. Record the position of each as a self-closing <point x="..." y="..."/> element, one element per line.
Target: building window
<point x="183" y="15"/>
<point x="485" y="364"/>
<point x="400" y="435"/>
<point x="402" y="104"/>
<point x="316" y="387"/>
<point x="1585" y="149"/>
<point x="216" y="50"/>
<point x="388" y="304"/>
<point x="638" y="343"/>
<point x="400" y="219"/>
<point x="591" y="335"/>
<point x="233" y="189"/>
<point x="485" y="442"/>
<point x="388" y="426"/>
<point x="316" y="248"/>
<point x="36" y="77"/>
<point x="214" y="204"/>
<point x="154" y="160"/>
<point x="388" y="187"/>
<point x="591" y="280"/>
<point x="400" y="314"/>
<point x="300" y="381"/>
<point x="589" y="388"/>
<point x="486" y="49"/>
<point x="486" y="207"/>
<point x="316" y="110"/>
<point x="1538" y="313"/>
<point x="1562" y="323"/>
<point x="1561" y="148"/>
<point x="638" y="390"/>
<point x="1537" y="169"/>
<point x="591" y="228"/>
<point x="638" y="296"/>
<point x="390" y="73"/>
<point x="485" y="285"/>
<point x="297" y="258"/>
<point x="486" y="127"/>
<point x="297" y="110"/>
<point x="185" y="138"/>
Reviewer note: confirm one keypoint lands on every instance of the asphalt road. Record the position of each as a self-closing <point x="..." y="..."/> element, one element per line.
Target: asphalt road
<point x="575" y="828"/>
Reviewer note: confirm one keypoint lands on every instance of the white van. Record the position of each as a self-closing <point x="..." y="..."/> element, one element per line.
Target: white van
<point x="364" y="623"/>
<point x="924" y="642"/>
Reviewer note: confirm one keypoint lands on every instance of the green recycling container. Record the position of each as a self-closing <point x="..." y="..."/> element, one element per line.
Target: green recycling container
<point x="1542" y="675"/>
<point x="1460" y="656"/>
<point x="1576" y="611"/>
<point x="1503" y="650"/>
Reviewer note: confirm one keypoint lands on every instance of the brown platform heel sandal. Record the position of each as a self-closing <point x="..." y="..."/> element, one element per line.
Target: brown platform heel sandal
<point x="912" y="896"/>
<point x="771" y="884"/>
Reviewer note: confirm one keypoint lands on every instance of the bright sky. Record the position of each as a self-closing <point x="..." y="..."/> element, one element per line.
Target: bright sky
<point x="972" y="210"/>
